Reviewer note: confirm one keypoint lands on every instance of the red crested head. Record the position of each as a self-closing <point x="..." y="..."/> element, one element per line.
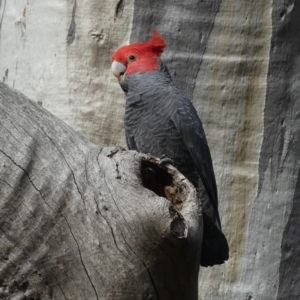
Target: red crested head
<point x="138" y="57"/>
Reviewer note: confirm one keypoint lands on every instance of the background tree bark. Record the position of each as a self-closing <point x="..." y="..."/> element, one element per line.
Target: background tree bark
<point x="76" y="221"/>
<point x="238" y="60"/>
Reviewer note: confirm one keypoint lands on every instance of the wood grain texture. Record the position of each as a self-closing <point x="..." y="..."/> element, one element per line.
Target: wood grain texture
<point x="281" y="148"/>
<point x="186" y="28"/>
<point x="251" y="127"/>
<point x="238" y="60"/>
<point x="233" y="78"/>
<point x="76" y="221"/>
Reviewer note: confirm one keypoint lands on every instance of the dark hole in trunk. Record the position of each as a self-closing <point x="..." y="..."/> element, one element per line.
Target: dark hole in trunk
<point x="155" y="178"/>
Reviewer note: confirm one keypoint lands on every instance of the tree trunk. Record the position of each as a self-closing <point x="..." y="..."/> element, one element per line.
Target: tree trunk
<point x="76" y="221"/>
<point x="237" y="60"/>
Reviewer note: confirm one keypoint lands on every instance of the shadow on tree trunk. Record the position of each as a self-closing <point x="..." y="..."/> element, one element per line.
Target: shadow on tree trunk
<point x="77" y="222"/>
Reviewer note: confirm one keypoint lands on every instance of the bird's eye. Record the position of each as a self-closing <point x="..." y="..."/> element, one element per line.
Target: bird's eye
<point x="131" y="58"/>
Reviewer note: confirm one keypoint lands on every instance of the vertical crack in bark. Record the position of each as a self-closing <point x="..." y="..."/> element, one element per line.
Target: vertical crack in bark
<point x="72" y="27"/>
<point x="148" y="271"/>
<point x="73" y="175"/>
<point x="144" y="264"/>
<point x="119" y="9"/>
<point x="81" y="259"/>
<point x="3" y="10"/>
<point x="158" y="246"/>
<point x="25" y="172"/>
<point x="81" y="196"/>
<point x="57" y="282"/>
<point x="112" y="232"/>
<point x="104" y="176"/>
<point x="113" y="198"/>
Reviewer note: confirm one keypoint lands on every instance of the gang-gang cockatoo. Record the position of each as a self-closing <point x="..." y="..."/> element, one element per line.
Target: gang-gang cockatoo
<point x="162" y="121"/>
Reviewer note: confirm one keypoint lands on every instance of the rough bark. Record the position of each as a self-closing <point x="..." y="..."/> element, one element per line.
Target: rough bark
<point x="76" y="221"/>
<point x="239" y="62"/>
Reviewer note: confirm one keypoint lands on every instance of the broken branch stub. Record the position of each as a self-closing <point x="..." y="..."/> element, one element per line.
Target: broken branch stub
<point x="166" y="181"/>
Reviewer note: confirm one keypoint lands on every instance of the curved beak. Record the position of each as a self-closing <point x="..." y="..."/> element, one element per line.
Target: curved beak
<point x="118" y="69"/>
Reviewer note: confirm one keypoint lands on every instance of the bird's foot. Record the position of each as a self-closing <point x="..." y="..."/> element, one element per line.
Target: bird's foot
<point x="165" y="161"/>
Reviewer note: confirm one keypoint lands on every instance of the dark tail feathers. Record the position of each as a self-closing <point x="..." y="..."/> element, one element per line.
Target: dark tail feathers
<point x="215" y="250"/>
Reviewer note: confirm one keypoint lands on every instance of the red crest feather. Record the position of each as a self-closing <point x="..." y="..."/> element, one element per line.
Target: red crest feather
<point x="157" y="43"/>
<point x="146" y="54"/>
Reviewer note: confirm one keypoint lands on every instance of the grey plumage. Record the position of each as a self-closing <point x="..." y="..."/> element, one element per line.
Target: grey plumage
<point x="161" y="120"/>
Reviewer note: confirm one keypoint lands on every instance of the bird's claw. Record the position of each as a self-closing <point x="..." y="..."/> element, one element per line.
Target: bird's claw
<point x="165" y="161"/>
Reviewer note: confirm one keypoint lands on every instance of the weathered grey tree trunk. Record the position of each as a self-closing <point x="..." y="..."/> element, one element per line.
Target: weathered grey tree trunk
<point x="239" y="62"/>
<point x="76" y="221"/>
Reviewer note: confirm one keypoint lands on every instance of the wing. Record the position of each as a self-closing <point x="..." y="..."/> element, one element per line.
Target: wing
<point x="190" y="128"/>
<point x="147" y="112"/>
